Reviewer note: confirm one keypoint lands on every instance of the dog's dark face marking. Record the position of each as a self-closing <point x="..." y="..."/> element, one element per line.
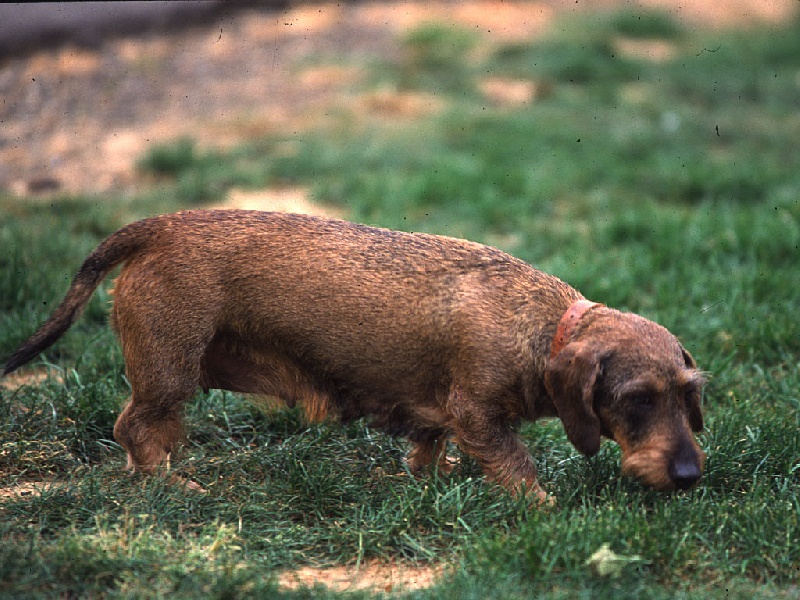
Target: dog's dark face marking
<point x="629" y="379"/>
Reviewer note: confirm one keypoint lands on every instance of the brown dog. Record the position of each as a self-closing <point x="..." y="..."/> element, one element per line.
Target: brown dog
<point x="430" y="337"/>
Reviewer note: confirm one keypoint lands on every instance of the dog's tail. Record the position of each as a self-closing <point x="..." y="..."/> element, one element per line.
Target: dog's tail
<point x="115" y="249"/>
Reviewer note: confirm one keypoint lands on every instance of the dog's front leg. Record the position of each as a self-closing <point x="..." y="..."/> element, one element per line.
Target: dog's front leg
<point x="490" y="439"/>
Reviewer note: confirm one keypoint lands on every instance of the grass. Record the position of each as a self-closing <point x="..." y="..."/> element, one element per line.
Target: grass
<point x="667" y="188"/>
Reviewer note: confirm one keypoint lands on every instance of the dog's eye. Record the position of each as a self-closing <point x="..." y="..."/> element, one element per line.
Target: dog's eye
<point x="638" y="409"/>
<point x="641" y="400"/>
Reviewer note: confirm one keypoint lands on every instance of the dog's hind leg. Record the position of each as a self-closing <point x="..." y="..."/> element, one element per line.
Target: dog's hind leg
<point x="150" y="427"/>
<point x="163" y="348"/>
<point x="430" y="452"/>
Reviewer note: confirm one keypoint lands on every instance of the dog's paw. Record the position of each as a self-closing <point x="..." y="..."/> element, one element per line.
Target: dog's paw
<point x="536" y="497"/>
<point x="186" y="484"/>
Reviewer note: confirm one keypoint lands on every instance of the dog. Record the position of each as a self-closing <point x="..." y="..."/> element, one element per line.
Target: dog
<point x="429" y="337"/>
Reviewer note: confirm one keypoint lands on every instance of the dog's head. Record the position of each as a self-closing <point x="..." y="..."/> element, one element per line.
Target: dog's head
<point x="629" y="379"/>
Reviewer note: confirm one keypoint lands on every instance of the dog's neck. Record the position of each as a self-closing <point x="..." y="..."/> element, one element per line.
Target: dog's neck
<point x="569" y="320"/>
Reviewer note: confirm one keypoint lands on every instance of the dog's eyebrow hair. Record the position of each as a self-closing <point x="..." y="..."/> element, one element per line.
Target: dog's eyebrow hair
<point x="640" y="386"/>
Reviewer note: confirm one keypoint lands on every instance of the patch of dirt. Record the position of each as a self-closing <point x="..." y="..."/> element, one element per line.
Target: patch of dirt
<point x="499" y="21"/>
<point x="17" y="379"/>
<point x="390" y="103"/>
<point x="76" y="120"/>
<point x="26" y="488"/>
<point x="372" y="575"/>
<point x="81" y="118"/>
<point x="502" y="91"/>
<point x="293" y="200"/>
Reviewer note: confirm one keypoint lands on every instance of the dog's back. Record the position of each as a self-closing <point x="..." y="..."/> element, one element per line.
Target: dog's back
<point x="378" y="319"/>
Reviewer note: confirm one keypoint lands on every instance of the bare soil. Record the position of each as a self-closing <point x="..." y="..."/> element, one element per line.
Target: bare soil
<point x="28" y="377"/>
<point x="371" y="575"/>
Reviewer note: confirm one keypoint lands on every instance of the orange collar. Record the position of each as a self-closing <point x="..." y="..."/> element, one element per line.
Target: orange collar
<point x="568" y="321"/>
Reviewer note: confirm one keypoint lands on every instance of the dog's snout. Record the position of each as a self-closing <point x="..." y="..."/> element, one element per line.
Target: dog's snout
<point x="684" y="472"/>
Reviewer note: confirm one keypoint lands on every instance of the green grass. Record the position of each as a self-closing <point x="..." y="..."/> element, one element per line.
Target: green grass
<point x="671" y="189"/>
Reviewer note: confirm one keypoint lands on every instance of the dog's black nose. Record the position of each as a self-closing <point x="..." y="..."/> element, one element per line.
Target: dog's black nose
<point x="684" y="473"/>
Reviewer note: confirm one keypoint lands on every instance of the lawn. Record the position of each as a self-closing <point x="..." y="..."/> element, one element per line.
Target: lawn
<point x="666" y="187"/>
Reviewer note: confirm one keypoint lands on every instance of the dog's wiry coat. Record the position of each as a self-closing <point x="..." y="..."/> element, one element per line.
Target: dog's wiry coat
<point x="430" y="337"/>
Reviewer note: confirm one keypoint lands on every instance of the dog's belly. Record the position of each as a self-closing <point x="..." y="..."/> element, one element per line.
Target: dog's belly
<point x="402" y="405"/>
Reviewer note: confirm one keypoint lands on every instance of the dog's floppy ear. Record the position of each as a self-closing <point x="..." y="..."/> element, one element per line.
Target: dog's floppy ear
<point x="693" y="395"/>
<point x="571" y="378"/>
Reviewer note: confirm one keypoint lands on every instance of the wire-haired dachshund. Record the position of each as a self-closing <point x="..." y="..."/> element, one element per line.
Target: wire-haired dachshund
<point x="429" y="337"/>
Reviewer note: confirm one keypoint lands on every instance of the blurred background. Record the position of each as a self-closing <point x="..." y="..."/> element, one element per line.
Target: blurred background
<point x="87" y="88"/>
